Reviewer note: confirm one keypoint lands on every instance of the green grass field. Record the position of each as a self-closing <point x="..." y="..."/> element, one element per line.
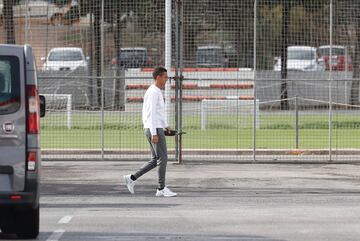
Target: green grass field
<point x="276" y="131"/>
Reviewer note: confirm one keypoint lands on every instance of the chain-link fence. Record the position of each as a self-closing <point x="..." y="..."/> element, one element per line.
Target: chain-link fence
<point x="255" y="80"/>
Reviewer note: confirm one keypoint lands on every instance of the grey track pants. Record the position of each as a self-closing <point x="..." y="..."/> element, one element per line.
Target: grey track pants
<point x="158" y="157"/>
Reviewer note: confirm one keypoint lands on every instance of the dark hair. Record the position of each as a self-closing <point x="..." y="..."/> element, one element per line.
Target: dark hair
<point x="158" y="71"/>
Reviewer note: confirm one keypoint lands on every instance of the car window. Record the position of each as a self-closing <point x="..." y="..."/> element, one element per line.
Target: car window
<point x="301" y="54"/>
<point x="335" y="51"/>
<point x="132" y="54"/>
<point x="9" y="84"/>
<point x="65" y="55"/>
<point x="209" y="56"/>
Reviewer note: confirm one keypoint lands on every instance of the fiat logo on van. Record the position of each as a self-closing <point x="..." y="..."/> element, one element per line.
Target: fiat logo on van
<point x="8" y="127"/>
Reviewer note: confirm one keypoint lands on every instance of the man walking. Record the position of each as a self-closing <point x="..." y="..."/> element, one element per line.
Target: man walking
<point x="155" y="123"/>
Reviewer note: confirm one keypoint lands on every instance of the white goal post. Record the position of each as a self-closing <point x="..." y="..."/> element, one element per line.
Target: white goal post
<point x="228" y="106"/>
<point x="53" y="102"/>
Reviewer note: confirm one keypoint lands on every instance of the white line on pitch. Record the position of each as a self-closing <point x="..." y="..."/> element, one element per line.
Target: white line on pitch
<point x="56" y="235"/>
<point x="65" y="219"/>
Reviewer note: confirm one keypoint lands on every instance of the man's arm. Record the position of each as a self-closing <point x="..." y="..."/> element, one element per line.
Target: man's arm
<point x="152" y="110"/>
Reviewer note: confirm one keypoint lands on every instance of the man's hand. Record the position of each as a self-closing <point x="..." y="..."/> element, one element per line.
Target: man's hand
<point x="168" y="129"/>
<point x="154" y="139"/>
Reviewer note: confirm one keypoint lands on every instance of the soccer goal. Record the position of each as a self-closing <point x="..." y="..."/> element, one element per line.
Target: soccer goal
<point x="232" y="113"/>
<point x="60" y="103"/>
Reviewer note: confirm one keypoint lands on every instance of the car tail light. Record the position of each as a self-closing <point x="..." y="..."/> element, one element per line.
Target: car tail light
<point x="15" y="197"/>
<point x="33" y="117"/>
<point x="31" y="161"/>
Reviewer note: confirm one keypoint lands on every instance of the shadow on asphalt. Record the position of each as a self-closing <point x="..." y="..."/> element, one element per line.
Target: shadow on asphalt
<point x="108" y="205"/>
<point x="142" y="237"/>
<point x="146" y="190"/>
<point x="42" y="236"/>
<point x="146" y="237"/>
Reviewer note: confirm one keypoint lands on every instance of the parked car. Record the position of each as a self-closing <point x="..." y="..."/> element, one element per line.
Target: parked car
<point x="340" y="57"/>
<point x="301" y="58"/>
<point x="211" y="56"/>
<point x="20" y="160"/>
<point x="231" y="56"/>
<point x="65" y="59"/>
<point x="135" y="57"/>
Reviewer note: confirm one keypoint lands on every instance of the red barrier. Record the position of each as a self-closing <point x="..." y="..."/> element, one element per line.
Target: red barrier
<point x="187" y="86"/>
<point x="246" y="97"/>
<point x="137" y="86"/>
<point x="195" y="98"/>
<point x="231" y="86"/>
<point x="198" y="69"/>
<point x="195" y="86"/>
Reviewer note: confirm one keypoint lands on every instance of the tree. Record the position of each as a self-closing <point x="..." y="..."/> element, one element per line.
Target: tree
<point x="117" y="14"/>
<point x="293" y="25"/>
<point x="237" y="19"/>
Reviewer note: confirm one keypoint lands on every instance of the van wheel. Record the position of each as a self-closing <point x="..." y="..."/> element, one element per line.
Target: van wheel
<point x="28" y="224"/>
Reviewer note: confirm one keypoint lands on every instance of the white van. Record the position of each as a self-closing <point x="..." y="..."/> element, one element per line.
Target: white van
<point x="65" y="59"/>
<point x="20" y="110"/>
<point x="301" y="58"/>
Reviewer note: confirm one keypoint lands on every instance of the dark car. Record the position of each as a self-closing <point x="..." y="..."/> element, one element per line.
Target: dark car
<point x="211" y="56"/>
<point x="132" y="58"/>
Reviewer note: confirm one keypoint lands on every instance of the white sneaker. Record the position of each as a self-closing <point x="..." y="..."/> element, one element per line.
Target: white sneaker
<point x="129" y="183"/>
<point x="166" y="192"/>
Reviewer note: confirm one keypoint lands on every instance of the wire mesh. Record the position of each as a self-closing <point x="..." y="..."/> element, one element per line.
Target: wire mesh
<point x="307" y="60"/>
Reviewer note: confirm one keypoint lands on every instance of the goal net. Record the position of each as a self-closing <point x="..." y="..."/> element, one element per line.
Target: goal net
<point x="59" y="105"/>
<point x="234" y="113"/>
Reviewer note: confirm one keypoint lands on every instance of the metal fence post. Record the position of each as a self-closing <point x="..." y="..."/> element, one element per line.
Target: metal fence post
<point x="102" y="120"/>
<point x="102" y="82"/>
<point x="27" y="21"/>
<point x="168" y="58"/>
<point x="254" y="77"/>
<point x="296" y="123"/>
<point x="178" y="78"/>
<point x="330" y="81"/>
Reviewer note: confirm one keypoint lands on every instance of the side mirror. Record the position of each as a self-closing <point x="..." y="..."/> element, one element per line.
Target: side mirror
<point x="42" y="105"/>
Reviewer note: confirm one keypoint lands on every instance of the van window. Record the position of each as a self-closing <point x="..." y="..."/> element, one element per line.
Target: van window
<point x="335" y="51"/>
<point x="9" y="84"/>
<point x="210" y="55"/>
<point x="301" y="54"/>
<point x="132" y="54"/>
<point x="65" y="55"/>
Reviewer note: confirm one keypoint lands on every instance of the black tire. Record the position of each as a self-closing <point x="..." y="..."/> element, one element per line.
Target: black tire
<point x="27" y="223"/>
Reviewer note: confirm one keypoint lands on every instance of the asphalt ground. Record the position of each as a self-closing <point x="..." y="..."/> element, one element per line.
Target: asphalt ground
<point x="216" y="201"/>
